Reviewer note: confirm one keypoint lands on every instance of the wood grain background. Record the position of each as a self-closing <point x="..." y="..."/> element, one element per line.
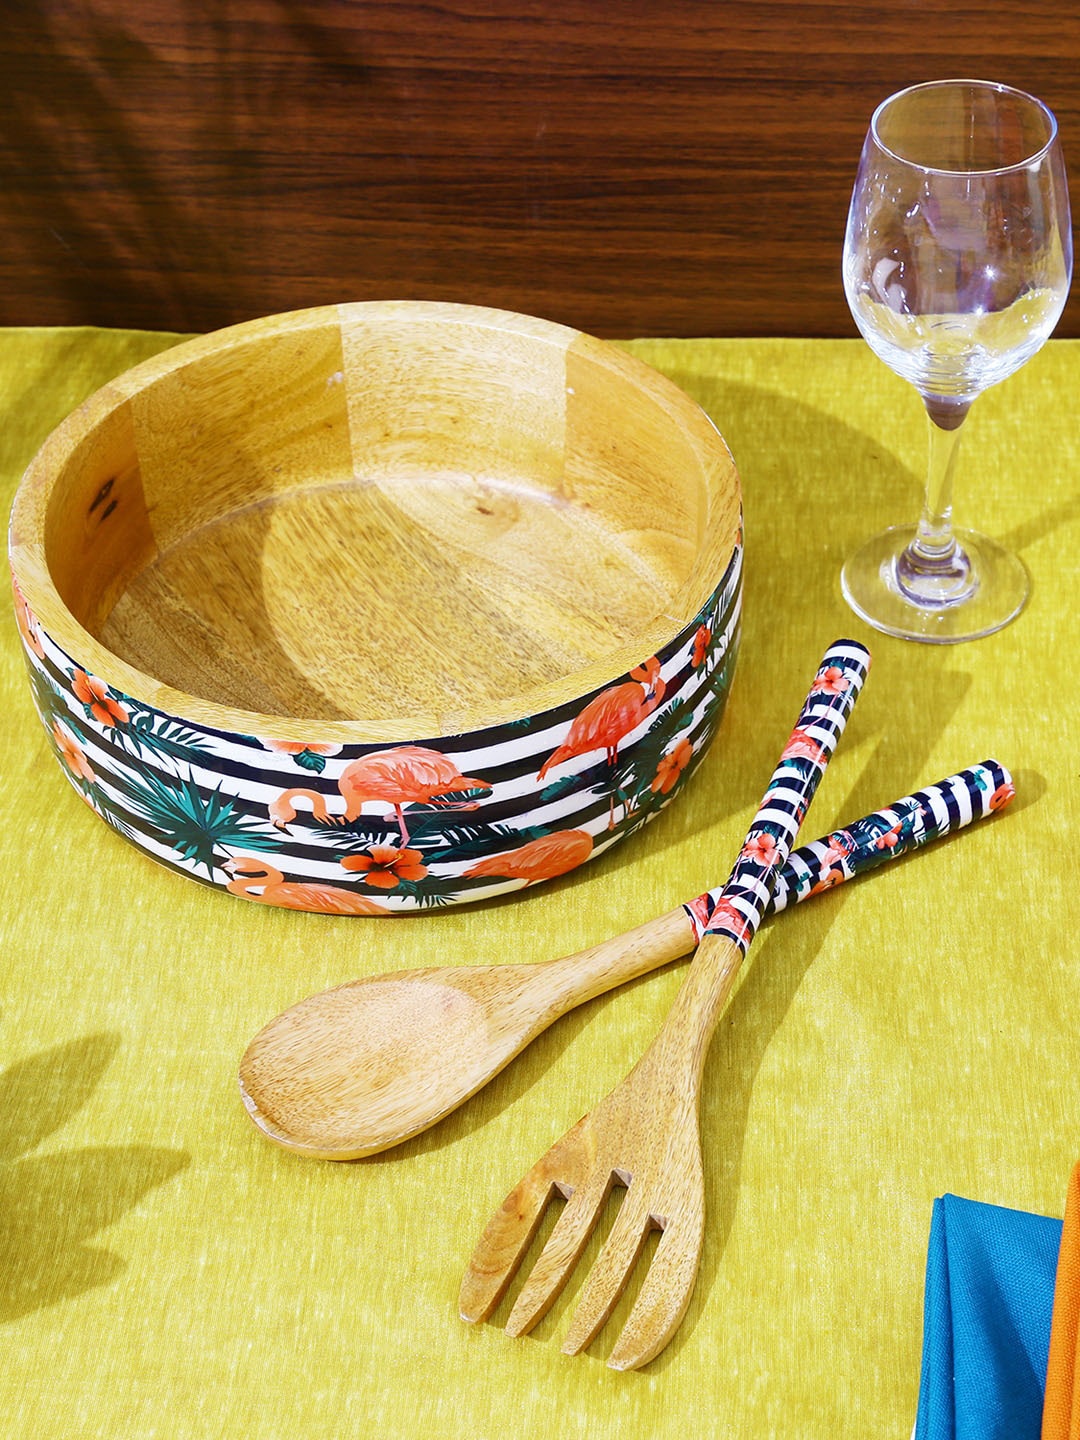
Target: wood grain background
<point x="631" y="167"/>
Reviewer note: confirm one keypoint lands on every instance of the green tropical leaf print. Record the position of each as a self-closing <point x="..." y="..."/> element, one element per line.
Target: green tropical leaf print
<point x="560" y="787"/>
<point x="709" y="712"/>
<point x="349" y="838"/>
<point x="428" y="893"/>
<point x="116" y="818"/>
<point x="425" y="821"/>
<point x="47" y="696"/>
<point x="195" y="825"/>
<point x="477" y="843"/>
<point x="643" y="758"/>
<point x="156" y="735"/>
<point x="309" y="760"/>
<point x="424" y="824"/>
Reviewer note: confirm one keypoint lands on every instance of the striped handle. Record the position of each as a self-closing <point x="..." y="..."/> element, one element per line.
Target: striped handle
<point x="885" y="834"/>
<point x="741" y="902"/>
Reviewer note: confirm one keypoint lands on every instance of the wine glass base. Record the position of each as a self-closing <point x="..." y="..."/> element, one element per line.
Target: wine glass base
<point x="870" y="581"/>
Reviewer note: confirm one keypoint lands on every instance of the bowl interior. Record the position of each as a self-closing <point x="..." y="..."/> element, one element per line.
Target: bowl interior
<point x="401" y="516"/>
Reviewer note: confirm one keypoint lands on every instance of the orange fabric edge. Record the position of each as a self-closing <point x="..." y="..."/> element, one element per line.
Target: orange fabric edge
<point x="1061" y="1418"/>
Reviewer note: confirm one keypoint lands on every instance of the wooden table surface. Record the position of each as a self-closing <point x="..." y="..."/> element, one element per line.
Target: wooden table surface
<point x="671" y="168"/>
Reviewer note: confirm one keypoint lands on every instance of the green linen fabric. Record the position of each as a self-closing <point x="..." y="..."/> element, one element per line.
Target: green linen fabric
<point x="167" y="1272"/>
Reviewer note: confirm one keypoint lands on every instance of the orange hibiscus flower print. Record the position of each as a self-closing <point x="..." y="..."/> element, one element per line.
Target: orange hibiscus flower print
<point x="1002" y="795"/>
<point x="671" y="767"/>
<point x="72" y="753"/>
<point x="831" y="681"/>
<point x="385" y="866"/>
<point x="94" y="694"/>
<point x="761" y="848"/>
<point x="702" y="641"/>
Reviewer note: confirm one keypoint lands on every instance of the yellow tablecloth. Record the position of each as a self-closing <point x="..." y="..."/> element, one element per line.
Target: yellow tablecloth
<point x="166" y="1272"/>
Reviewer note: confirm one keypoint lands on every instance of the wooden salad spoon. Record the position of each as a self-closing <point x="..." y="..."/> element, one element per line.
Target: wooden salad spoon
<point x="359" y="1068"/>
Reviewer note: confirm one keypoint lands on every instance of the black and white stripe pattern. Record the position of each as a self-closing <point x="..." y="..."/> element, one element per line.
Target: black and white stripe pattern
<point x="742" y="901"/>
<point x="585" y="794"/>
<point x="888" y="833"/>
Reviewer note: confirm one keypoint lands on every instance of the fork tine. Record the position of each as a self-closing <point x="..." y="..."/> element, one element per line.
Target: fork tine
<point x="503" y="1245"/>
<point x="567" y="1240"/>
<point x="662" y="1300"/>
<point x="511" y="1229"/>
<point x="608" y="1277"/>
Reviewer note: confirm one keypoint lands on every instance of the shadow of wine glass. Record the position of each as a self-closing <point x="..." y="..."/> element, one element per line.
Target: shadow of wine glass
<point x="53" y="1205"/>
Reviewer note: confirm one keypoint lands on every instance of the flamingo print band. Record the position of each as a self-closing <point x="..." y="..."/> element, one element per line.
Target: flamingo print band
<point x="395" y="827"/>
<point x="743" y="900"/>
<point x="908" y="824"/>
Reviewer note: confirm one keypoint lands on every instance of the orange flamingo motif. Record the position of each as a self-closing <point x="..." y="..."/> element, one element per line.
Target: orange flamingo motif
<point x="254" y="879"/>
<point x="541" y="859"/>
<point x="405" y="775"/>
<point x="611" y="715"/>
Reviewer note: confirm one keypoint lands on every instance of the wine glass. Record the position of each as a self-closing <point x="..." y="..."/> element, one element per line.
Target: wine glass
<point x="957" y="263"/>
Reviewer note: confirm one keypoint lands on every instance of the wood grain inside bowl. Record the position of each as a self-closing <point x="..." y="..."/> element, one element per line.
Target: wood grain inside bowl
<point x="381" y="514"/>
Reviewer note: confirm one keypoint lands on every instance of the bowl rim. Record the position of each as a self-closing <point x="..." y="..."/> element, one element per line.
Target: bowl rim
<point x="29" y="566"/>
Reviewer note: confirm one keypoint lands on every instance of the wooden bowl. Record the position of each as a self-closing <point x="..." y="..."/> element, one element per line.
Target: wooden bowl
<point x="374" y="607"/>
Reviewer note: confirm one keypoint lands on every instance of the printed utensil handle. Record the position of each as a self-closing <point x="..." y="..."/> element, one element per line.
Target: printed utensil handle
<point x="741" y="902"/>
<point x="884" y="834"/>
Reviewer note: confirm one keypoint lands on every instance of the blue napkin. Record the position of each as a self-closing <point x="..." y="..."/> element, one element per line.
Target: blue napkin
<point x="986" y="1322"/>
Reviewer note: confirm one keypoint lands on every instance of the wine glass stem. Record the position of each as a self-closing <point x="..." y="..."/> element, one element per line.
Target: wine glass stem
<point x="934" y="570"/>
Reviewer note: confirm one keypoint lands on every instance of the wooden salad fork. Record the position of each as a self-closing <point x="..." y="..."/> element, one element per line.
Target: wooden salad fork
<point x="645" y="1134"/>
